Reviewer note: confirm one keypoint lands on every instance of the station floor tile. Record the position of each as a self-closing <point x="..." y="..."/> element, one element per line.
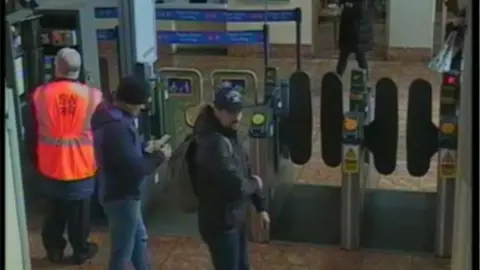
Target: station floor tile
<point x="177" y="253"/>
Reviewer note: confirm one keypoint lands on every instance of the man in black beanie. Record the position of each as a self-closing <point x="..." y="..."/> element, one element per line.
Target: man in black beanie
<point x="124" y="163"/>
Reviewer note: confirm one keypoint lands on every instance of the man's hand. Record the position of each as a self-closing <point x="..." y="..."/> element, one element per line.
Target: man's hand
<point x="265" y="220"/>
<point x="157" y="145"/>
<point x="166" y="150"/>
<point x="259" y="181"/>
<point x="149" y="147"/>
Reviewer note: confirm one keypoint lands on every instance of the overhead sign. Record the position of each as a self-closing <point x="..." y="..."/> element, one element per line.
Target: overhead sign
<point x="210" y="15"/>
<point x="179" y="85"/>
<point x="195" y="37"/>
<point x="448" y="164"/>
<point x="351" y="159"/>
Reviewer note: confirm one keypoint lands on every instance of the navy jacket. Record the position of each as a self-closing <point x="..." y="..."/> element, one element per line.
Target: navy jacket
<point x="71" y="190"/>
<point x="123" y="165"/>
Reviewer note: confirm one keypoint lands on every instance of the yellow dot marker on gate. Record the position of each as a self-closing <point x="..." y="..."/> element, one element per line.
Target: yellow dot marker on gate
<point x="258" y="119"/>
<point x="447" y="128"/>
<point x="350" y="124"/>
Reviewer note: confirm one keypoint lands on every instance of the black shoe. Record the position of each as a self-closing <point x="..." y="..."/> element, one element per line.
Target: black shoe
<point x="79" y="259"/>
<point x="55" y="257"/>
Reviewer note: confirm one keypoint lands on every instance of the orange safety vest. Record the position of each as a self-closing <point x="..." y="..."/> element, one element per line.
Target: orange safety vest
<point x="65" y="140"/>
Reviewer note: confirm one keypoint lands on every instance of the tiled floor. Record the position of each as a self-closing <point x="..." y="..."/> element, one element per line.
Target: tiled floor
<point x="169" y="253"/>
<point x="187" y="253"/>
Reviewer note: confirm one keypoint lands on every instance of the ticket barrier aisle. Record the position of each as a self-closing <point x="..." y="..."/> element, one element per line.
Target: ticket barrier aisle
<point x="177" y="94"/>
<point x="178" y="99"/>
<point x="311" y="213"/>
<point x="265" y="140"/>
<point x="356" y="163"/>
<point x="369" y="125"/>
<point x="424" y="139"/>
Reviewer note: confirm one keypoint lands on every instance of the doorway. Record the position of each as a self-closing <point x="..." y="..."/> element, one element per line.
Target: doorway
<point x="326" y="27"/>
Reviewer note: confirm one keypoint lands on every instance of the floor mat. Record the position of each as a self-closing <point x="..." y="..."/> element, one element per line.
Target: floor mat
<point x="311" y="214"/>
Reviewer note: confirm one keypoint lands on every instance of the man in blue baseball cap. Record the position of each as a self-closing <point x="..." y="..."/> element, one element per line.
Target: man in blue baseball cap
<point x="223" y="181"/>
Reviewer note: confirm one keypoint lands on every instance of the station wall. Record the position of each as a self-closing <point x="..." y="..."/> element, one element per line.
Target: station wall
<point x="410" y="27"/>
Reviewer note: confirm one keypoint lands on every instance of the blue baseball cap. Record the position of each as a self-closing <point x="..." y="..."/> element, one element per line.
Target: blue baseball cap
<point x="228" y="99"/>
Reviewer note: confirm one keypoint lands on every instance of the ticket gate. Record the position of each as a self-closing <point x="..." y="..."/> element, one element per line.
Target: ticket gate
<point x="424" y="139"/>
<point x="273" y="125"/>
<point x="178" y="100"/>
<point x="366" y="139"/>
<point x="183" y="97"/>
<point x="316" y="214"/>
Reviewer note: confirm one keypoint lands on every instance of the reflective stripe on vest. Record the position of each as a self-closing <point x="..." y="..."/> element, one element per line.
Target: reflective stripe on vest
<point x="65" y="157"/>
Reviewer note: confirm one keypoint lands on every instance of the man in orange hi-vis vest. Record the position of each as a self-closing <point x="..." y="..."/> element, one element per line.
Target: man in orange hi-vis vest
<point x="61" y="147"/>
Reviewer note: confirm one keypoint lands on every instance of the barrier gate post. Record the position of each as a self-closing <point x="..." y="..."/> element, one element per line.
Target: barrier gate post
<point x="353" y="159"/>
<point x="447" y="158"/>
<point x="260" y="132"/>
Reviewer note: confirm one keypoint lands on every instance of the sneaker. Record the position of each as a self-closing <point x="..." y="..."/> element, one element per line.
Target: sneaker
<point x="79" y="259"/>
<point x="55" y="257"/>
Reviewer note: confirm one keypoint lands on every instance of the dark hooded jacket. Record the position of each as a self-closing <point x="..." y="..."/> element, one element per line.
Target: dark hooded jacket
<point x="223" y="177"/>
<point x="356" y="26"/>
<point x="122" y="163"/>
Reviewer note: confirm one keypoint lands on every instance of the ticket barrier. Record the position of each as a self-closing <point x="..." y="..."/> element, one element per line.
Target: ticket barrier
<point x="178" y="100"/>
<point x="370" y="125"/>
<point x="285" y="106"/>
<point x="175" y="93"/>
<point x="181" y="90"/>
<point x="424" y="139"/>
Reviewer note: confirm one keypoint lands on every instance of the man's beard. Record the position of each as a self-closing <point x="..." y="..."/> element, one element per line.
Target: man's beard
<point x="234" y="125"/>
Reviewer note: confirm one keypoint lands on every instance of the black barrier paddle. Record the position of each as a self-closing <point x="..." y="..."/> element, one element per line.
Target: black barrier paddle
<point x="422" y="134"/>
<point x="381" y="135"/>
<point x="299" y="131"/>
<point x="331" y="119"/>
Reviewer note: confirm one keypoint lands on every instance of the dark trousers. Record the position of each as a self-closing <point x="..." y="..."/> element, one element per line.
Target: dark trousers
<point x="229" y="250"/>
<point x="343" y="60"/>
<point x="71" y="215"/>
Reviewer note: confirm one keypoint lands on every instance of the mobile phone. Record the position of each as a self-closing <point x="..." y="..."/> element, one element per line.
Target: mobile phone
<point x="164" y="140"/>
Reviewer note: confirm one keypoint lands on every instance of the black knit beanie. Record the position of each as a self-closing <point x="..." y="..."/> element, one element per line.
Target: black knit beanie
<point x="133" y="90"/>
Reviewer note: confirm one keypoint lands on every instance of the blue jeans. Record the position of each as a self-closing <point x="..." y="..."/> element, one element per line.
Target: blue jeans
<point x="128" y="235"/>
<point x="228" y="249"/>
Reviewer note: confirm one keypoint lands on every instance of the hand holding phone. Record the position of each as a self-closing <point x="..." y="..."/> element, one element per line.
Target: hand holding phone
<point x="157" y="145"/>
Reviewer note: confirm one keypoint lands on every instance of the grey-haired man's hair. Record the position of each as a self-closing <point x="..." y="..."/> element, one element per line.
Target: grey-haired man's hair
<point x="68" y="63"/>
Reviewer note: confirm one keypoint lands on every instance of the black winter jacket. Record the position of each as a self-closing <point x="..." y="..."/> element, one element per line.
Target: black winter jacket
<point x="356" y="26"/>
<point x="223" y="178"/>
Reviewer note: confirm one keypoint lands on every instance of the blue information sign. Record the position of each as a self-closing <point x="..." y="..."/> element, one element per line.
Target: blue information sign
<point x="195" y="38"/>
<point x="210" y="38"/>
<point x="238" y="85"/>
<point x="180" y="86"/>
<point x="48" y="61"/>
<point x="211" y="15"/>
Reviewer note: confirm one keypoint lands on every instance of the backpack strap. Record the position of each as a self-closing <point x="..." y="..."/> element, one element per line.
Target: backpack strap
<point x="229" y="143"/>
